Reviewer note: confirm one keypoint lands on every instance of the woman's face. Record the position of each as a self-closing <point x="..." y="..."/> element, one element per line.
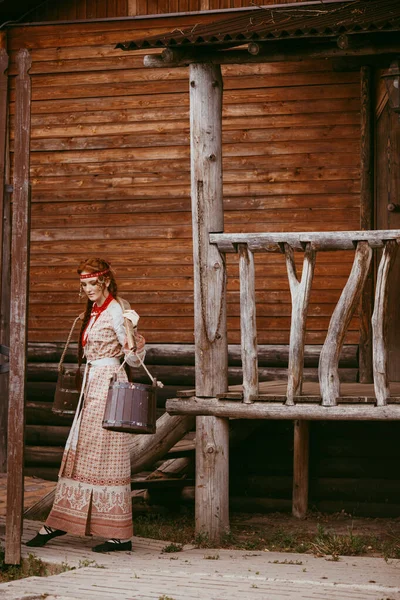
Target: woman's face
<point x="93" y="290"/>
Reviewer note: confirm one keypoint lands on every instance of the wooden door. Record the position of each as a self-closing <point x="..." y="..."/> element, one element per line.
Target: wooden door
<point x="387" y="197"/>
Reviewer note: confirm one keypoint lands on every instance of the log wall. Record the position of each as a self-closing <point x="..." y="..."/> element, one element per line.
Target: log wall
<point x="110" y="176"/>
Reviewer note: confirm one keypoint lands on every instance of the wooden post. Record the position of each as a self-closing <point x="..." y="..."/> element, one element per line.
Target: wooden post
<point x="300" y="468"/>
<point x="211" y="349"/>
<point x="380" y="324"/>
<point x="328" y="371"/>
<point x="366" y="217"/>
<point x="19" y="310"/>
<point x="248" y="326"/>
<point x="4" y="265"/>
<point x="300" y="294"/>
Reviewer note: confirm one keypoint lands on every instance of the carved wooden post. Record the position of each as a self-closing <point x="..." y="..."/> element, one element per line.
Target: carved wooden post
<point x="211" y="349"/>
<point x="329" y="359"/>
<point x="380" y="325"/>
<point x="4" y="256"/>
<point x="248" y="325"/>
<point x="19" y="310"/>
<point x="300" y="293"/>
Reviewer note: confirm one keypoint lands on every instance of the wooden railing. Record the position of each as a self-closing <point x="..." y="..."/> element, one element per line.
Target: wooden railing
<point x="363" y="243"/>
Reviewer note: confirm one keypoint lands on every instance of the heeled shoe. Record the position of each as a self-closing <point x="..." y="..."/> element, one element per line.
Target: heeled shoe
<point x="41" y="539"/>
<point x="113" y="546"/>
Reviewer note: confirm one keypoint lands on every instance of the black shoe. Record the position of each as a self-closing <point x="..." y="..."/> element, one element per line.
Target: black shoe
<point x="41" y="539"/>
<point x="114" y="546"/>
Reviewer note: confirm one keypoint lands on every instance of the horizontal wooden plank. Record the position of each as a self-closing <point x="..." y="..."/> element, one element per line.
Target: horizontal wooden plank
<point x="138" y="296"/>
<point x="182" y="152"/>
<point x="125" y="136"/>
<point x="177" y="219"/>
<point x="104" y="58"/>
<point x="187" y="337"/>
<point x="282" y="323"/>
<point x="185" y="375"/>
<point x="126" y="120"/>
<point x="232" y="105"/>
<point x="183" y="354"/>
<point x="275" y="269"/>
<point x="231" y="79"/>
<point x="233" y="92"/>
<point x="136" y="166"/>
<point x="170" y="232"/>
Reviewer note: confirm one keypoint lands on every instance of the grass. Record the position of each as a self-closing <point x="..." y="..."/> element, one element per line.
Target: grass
<point x="279" y="535"/>
<point x="35" y="567"/>
<point x="29" y="567"/>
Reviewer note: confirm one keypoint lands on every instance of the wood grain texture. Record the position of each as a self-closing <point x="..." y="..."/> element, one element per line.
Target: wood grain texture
<point x="328" y="365"/>
<point x="248" y="326"/>
<point x="380" y="324"/>
<point x="18" y="314"/>
<point x="4" y="254"/>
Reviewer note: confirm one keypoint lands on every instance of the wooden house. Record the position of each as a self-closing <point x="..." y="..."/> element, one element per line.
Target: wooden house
<point x="116" y="135"/>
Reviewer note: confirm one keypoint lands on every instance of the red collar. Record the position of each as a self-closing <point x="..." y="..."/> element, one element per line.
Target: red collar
<point x="97" y="310"/>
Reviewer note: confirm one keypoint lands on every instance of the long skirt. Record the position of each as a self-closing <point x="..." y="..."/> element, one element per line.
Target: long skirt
<point x="93" y="494"/>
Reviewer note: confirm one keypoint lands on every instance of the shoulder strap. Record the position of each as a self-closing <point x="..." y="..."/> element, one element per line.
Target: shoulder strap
<point x="79" y="317"/>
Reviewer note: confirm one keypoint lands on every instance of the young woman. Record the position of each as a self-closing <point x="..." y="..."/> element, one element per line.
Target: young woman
<point x="93" y="494"/>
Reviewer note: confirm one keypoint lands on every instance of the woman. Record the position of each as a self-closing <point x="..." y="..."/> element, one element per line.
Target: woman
<point x="93" y="495"/>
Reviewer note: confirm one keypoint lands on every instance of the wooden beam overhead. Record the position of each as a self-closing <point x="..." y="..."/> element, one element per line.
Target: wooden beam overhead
<point x="272" y="52"/>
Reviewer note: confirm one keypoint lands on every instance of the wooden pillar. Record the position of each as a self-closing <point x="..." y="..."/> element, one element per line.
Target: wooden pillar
<point x="211" y="349"/>
<point x="248" y="325"/>
<point x="300" y="294"/>
<point x="366" y="217"/>
<point x="300" y="468"/>
<point x="19" y="310"/>
<point x="4" y="256"/>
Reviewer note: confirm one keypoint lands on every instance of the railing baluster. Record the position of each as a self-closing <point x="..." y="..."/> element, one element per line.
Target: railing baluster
<point x="379" y="325"/>
<point x="328" y="369"/>
<point x="300" y="293"/>
<point x="248" y="323"/>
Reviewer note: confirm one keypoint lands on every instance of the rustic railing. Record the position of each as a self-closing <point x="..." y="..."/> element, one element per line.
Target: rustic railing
<point x="363" y="243"/>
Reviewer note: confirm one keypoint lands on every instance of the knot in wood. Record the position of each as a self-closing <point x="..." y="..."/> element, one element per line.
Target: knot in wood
<point x="217" y="266"/>
<point x="212" y="157"/>
<point x="210" y="449"/>
<point x="192" y="84"/>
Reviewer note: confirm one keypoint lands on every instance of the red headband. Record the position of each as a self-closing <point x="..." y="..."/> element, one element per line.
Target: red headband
<point x="97" y="274"/>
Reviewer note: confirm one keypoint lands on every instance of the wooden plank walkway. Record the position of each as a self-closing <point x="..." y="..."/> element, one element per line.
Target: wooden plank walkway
<point x="207" y="574"/>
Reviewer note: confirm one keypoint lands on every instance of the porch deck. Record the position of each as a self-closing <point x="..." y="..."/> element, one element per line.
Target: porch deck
<point x="193" y="573"/>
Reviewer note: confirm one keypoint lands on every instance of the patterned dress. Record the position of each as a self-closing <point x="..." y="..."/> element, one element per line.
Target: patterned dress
<point x="93" y="494"/>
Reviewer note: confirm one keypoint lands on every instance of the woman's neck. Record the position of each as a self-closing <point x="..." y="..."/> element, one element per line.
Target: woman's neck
<point x="101" y="301"/>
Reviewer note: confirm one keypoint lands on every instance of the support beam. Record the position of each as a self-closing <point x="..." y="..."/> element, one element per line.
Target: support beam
<point x="248" y="326"/>
<point x="19" y="310"/>
<point x="268" y="410"/>
<point x="272" y="52"/>
<point x="380" y="324"/>
<point x="211" y="348"/>
<point x="366" y="216"/>
<point x="5" y="225"/>
<point x="300" y="468"/>
<point x="328" y="370"/>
